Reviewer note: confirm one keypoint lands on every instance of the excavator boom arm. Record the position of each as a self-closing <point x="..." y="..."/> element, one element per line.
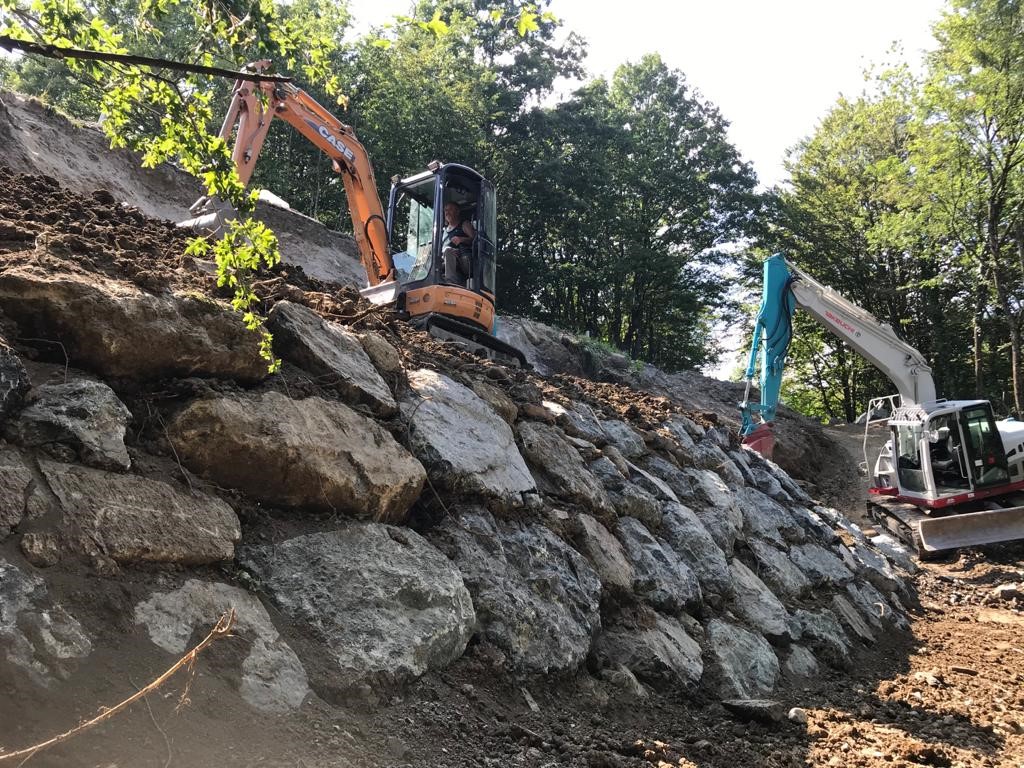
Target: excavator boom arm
<point x="253" y="108"/>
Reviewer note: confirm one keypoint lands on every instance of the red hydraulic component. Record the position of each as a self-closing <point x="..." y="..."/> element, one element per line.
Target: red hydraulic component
<point x="762" y="440"/>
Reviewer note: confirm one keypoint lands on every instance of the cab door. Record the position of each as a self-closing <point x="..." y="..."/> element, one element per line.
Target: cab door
<point x="985" y="455"/>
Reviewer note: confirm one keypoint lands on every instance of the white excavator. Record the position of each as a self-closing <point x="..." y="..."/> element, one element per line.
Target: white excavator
<point x="949" y="476"/>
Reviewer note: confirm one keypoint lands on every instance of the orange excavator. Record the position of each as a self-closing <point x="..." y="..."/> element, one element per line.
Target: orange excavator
<point x="402" y="250"/>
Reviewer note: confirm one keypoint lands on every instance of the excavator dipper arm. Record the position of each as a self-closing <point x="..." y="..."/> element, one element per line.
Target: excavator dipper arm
<point x="253" y="108"/>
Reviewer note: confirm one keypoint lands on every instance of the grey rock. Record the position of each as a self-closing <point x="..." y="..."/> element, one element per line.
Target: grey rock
<point x="630" y="500"/>
<point x="684" y="532"/>
<point x="84" y="415"/>
<point x="895" y="552"/>
<point x="498" y="400"/>
<point x="272" y="677"/>
<point x="14" y="381"/>
<point x="872" y="605"/>
<point x="873" y="566"/>
<point x="604" y="552"/>
<point x="664" y="656"/>
<point x="756" y="605"/>
<point x="671" y="475"/>
<point x="562" y="472"/>
<point x="661" y="578"/>
<point x="739" y="458"/>
<point x="15" y="481"/>
<point x="800" y="663"/>
<point x="119" y="331"/>
<point x="815" y="526"/>
<point x="822" y="631"/>
<point x="330" y="352"/>
<point x="761" y="710"/>
<point x="797" y="715"/>
<point x="716" y="507"/>
<point x="382" y="353"/>
<point x="578" y="420"/>
<point x="132" y="519"/>
<point x="819" y="565"/>
<point x="766" y="518"/>
<point x="38" y="637"/>
<point x="606" y="471"/>
<point x="681" y="429"/>
<point x="614" y="455"/>
<point x="770" y="485"/>
<point x="851" y="619"/>
<point x="624" y="437"/>
<point x="742" y="662"/>
<point x="465" y="445"/>
<point x="536" y="598"/>
<point x="707" y="455"/>
<point x="650" y="483"/>
<point x="313" y="453"/>
<point x="382" y="605"/>
<point x="777" y="570"/>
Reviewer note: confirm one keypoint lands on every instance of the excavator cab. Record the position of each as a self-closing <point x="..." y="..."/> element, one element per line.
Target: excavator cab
<point x="455" y="304"/>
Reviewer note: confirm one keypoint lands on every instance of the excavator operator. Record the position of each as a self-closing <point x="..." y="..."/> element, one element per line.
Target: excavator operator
<point x="457" y="244"/>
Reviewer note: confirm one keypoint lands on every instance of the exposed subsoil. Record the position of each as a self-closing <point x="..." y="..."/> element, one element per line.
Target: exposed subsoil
<point x="950" y="695"/>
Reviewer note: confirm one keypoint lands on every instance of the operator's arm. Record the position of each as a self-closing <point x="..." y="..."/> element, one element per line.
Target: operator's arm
<point x="469" y="232"/>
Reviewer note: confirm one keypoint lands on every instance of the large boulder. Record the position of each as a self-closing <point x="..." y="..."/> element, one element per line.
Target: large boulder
<point x="561" y="470"/>
<point x="271" y="676"/>
<point x="312" y="453"/>
<point x="330" y="352"/>
<point x="757" y="606"/>
<point x="663" y="656"/>
<point x="625" y="438"/>
<point x="715" y="505"/>
<point x="820" y="565"/>
<point x="777" y="570"/>
<point x="766" y="518"/>
<point x="604" y="552"/>
<point x="37" y="636"/>
<point x="83" y="415"/>
<point x="536" y="598"/>
<point x="688" y="537"/>
<point x="743" y="664"/>
<point x="132" y="519"/>
<point x="379" y="605"/>
<point x="119" y="331"/>
<point x="466" y="447"/>
<point x="660" y="577"/>
<point x="824" y="634"/>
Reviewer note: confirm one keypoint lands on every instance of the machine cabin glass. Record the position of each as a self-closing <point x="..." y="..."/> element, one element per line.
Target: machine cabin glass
<point x="411" y="227"/>
<point x="985" y="455"/>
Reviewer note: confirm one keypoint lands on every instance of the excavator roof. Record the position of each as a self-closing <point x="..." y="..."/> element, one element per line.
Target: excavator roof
<point x="921" y="411"/>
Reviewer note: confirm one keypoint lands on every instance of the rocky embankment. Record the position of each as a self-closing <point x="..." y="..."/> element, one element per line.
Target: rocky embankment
<point x="385" y="509"/>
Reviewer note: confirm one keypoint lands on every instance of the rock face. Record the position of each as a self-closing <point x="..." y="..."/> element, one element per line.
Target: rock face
<point x="272" y="678"/>
<point x="15" y="479"/>
<point x="131" y="519"/>
<point x="743" y="663"/>
<point x="823" y="633"/>
<point x="312" y="453"/>
<point x="118" y="331"/>
<point x="661" y="578"/>
<point x="604" y="553"/>
<point x="820" y="565"/>
<point x="756" y="604"/>
<point x="14" y="380"/>
<point x="84" y="415"/>
<point x="383" y="605"/>
<point x="536" y="598"/>
<point x="778" y="571"/>
<point x="664" y="657"/>
<point x="465" y="445"/>
<point x="38" y="637"/>
<point x="561" y="467"/>
<point x="688" y="537"/>
<point x="331" y="352"/>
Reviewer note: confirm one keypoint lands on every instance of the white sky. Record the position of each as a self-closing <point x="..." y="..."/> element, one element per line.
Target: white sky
<point x="773" y="67"/>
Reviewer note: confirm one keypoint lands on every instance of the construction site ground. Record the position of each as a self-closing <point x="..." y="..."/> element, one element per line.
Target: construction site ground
<point x="950" y="694"/>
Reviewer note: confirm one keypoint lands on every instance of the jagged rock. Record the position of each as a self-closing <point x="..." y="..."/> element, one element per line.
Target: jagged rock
<point x="801" y="663"/>
<point x="381" y="605"/>
<point x="688" y="537"/>
<point x="382" y="354"/>
<point x="311" y="453"/>
<point x="671" y="475"/>
<point x="873" y="566"/>
<point x="851" y="619"/>
<point x="707" y="455"/>
<point x="330" y="352"/>
<point x="664" y="656"/>
<point x="621" y="677"/>
<point x="755" y="604"/>
<point x="660" y="576"/>
<point x="761" y="710"/>
<point x="872" y="605"/>
<point x="465" y="445"/>
<point x="820" y="565"/>
<point x="14" y="380"/>
<point x="119" y="331"/>
<point x="895" y="552"/>
<point x="630" y="500"/>
<point x="579" y="420"/>
<point x="743" y="665"/>
<point x="84" y="415"/>
<point x="272" y="677"/>
<point x="536" y="598"/>
<point x="131" y="519"/>
<point x="614" y="455"/>
<point x="766" y="518"/>
<point x="789" y="485"/>
<point x="562" y="472"/>
<point x="605" y="470"/>
<point x="739" y="458"/>
<point x="679" y="429"/>
<point x="498" y="400"/>
<point x="625" y="438"/>
<point x="778" y="571"/>
<point x="814" y="525"/>
<point x="769" y="484"/>
<point x="41" y="549"/>
<point x="15" y="479"/>
<point x="651" y="484"/>
<point x="716" y="507"/>
<point x="837" y="520"/>
<point x="823" y="633"/>
<point x="38" y="637"/>
<point x="605" y="554"/>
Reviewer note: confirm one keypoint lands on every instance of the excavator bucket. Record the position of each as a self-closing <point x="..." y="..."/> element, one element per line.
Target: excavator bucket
<point x="971" y="529"/>
<point x="761" y="440"/>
